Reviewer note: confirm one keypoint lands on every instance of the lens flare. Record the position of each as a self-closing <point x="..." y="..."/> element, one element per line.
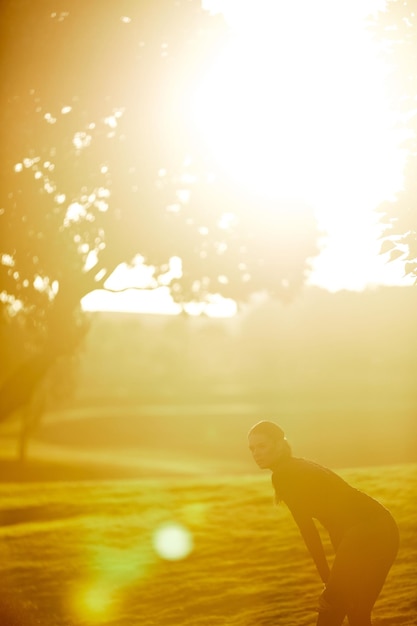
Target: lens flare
<point x="172" y="542"/>
<point x="93" y="602"/>
<point x="97" y="600"/>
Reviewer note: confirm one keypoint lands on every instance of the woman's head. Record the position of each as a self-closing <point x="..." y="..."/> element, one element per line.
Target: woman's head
<point x="268" y="444"/>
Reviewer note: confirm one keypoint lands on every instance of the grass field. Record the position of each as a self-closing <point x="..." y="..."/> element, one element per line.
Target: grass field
<point x="91" y="552"/>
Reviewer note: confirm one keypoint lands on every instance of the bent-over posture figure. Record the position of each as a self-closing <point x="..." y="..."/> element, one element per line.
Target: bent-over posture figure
<point x="363" y="533"/>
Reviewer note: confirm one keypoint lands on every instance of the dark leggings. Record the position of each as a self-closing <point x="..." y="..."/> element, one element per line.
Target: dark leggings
<point x="361" y="564"/>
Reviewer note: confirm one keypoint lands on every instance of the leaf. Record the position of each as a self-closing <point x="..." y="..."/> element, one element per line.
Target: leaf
<point x="387" y="245"/>
<point x="410" y="268"/>
<point x="395" y="254"/>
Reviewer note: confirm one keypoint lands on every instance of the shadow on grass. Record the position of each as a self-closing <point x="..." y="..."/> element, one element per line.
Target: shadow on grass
<point x="12" y="470"/>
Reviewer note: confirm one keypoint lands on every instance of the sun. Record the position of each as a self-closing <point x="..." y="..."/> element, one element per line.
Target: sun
<point x="294" y="107"/>
<point x="294" y="104"/>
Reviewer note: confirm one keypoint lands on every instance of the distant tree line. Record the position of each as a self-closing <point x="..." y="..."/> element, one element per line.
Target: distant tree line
<point x="323" y="346"/>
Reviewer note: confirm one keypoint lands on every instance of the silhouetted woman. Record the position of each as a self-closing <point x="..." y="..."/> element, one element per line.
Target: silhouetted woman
<point x="363" y="533"/>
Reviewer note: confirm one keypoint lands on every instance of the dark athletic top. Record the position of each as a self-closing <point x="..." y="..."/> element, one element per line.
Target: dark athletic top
<point x="310" y="490"/>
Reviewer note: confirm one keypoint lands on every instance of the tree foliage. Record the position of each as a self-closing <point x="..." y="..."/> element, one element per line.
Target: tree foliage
<point x="396" y="32"/>
<point x="101" y="163"/>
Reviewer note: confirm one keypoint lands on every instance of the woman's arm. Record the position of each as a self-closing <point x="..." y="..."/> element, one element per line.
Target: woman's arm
<point x="313" y="542"/>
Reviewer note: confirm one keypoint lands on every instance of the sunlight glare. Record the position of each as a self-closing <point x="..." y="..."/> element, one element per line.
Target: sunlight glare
<point x="172" y="542"/>
<point x="292" y="108"/>
<point x="94" y="602"/>
<point x="97" y="600"/>
<point x="295" y="107"/>
<point x="122" y="566"/>
<point x="113" y="569"/>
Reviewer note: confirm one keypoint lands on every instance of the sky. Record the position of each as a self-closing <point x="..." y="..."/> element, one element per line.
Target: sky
<point x="315" y="111"/>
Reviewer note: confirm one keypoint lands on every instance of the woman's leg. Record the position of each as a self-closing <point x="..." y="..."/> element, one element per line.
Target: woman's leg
<point x="359" y="617"/>
<point x="329" y="615"/>
<point x="361" y="564"/>
<point x="332" y="618"/>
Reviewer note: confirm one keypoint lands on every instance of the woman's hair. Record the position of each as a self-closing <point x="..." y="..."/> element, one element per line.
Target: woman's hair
<point x="274" y="432"/>
<point x="270" y="429"/>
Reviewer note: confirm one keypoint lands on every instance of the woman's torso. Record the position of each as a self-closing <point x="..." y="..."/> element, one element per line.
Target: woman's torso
<point x="311" y="490"/>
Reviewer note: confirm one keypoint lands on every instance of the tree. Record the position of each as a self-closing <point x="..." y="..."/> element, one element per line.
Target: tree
<point x="396" y="31"/>
<point x="101" y="163"/>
